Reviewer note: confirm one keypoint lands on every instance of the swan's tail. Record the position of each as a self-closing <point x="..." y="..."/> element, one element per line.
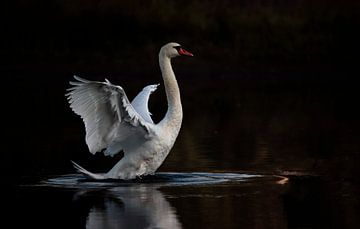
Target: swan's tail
<point x="87" y="173"/>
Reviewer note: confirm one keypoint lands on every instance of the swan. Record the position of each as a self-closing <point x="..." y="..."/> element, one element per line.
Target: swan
<point x="113" y="124"/>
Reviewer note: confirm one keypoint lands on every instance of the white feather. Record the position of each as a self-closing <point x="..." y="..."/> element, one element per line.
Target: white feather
<point x="140" y="102"/>
<point x="105" y="109"/>
<point x="114" y="124"/>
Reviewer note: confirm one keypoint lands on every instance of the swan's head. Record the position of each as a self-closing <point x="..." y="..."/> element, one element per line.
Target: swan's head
<point x="173" y="49"/>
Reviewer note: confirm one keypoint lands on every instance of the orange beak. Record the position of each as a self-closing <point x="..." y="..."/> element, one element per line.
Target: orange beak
<point x="183" y="52"/>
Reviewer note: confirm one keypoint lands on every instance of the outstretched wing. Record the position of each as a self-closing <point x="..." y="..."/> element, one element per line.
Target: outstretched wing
<point x="110" y="119"/>
<point x="140" y="102"/>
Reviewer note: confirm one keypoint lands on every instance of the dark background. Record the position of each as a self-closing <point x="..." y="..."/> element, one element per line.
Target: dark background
<point x="228" y="36"/>
<point x="272" y="89"/>
<point x="283" y="71"/>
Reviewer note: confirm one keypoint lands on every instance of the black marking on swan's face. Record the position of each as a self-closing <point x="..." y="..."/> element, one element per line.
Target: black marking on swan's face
<point x="177" y="47"/>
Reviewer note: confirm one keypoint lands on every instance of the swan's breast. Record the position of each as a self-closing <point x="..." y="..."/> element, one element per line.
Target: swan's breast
<point x="156" y="150"/>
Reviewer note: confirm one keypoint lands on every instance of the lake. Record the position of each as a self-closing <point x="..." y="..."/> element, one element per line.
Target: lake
<point x="254" y="151"/>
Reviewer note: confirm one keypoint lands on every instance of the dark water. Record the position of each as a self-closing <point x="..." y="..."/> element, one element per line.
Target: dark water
<point x="255" y="151"/>
<point x="71" y="200"/>
<point x="182" y="200"/>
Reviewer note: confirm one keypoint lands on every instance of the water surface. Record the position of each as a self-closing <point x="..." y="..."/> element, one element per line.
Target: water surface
<point x="148" y="202"/>
<point x="301" y="135"/>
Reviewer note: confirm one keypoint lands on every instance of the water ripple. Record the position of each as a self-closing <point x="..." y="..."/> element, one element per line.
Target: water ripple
<point x="159" y="179"/>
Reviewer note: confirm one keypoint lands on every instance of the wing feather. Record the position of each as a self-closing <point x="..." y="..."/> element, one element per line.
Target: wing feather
<point x="109" y="118"/>
<point x="140" y="102"/>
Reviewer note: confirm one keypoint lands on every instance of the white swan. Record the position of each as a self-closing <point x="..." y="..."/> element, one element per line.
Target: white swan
<point x="113" y="123"/>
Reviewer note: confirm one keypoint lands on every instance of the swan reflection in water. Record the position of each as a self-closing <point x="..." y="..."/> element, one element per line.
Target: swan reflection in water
<point x="129" y="207"/>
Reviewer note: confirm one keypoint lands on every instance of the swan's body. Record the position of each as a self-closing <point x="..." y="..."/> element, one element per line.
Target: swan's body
<point x="113" y="124"/>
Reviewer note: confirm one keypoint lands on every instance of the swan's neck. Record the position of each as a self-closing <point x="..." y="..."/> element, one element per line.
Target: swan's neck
<point x="173" y="115"/>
